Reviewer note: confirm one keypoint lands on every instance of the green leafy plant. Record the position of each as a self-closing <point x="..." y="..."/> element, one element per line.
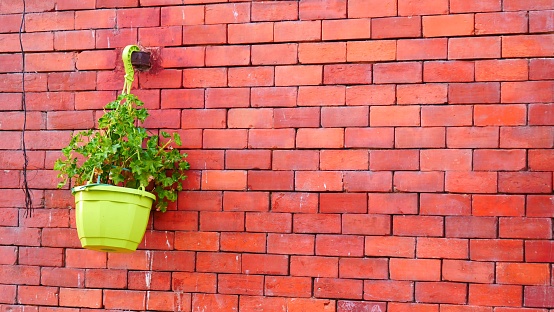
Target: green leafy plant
<point x="123" y="153"/>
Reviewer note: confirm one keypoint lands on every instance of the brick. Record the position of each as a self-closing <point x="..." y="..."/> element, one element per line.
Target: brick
<point x="366" y="224"/>
<point x="300" y="117"/>
<point x="83" y="298"/>
<point x="117" y="4"/>
<point x="204" y="34"/>
<point x="394" y="160"/>
<point x="367" y="181"/>
<point x="227" y="55"/>
<point x="50" y="62"/>
<point x="344" y="160"/>
<point x="347" y="74"/>
<point x="74" y="40"/>
<point x="8" y="294"/>
<point x="471" y="182"/>
<point x="19" y="274"/>
<point x="274" y="54"/>
<point x="310" y="304"/>
<point x="182" y="15"/>
<point x="445" y="204"/>
<point x="90" y="19"/>
<point x="166" y="301"/>
<point x="240" y="284"/>
<point x="218" y="262"/>
<point x="253" y="303"/>
<point x="498" y="205"/>
<point x="390" y="203"/>
<point x="182" y="57"/>
<point x="444" y="248"/>
<point x="504" y="295"/>
<point x="168" y="78"/>
<point x="320" y="138"/>
<point x="496" y="250"/>
<point x="539" y="296"/>
<point x="271" y="180"/>
<point x="151" y="36"/>
<point x="338" y="288"/>
<point x="40" y="256"/>
<point x="371" y="51"/>
<point x="19" y="236"/>
<point x="218" y="302"/>
<point x="405" y="72"/>
<point x="200" y="241"/>
<point x="481" y="92"/>
<point x="512" y="273"/>
<point x="247" y="159"/>
<point x="388" y="290"/>
<point x="461" y="6"/>
<point x="127" y="299"/>
<point x="271" y="138"/>
<point x="313" y="9"/>
<point x="204" y="77"/>
<point x="339" y="245"/>
<point x="406" y="181"/>
<point x="528" y="228"/>
<point x="369" y="137"/>
<point x="317" y="223"/>
<point x="425" y="137"/>
<point x="396" y="307"/>
<point x="527" y="182"/>
<point x="67" y="120"/>
<point x="448" y="25"/>
<point x="422" y="49"/>
<point x="472" y="137"/>
<point x="527" y="92"/>
<point x="468" y="271"/>
<point x="318" y="181"/>
<point x="9" y="255"/>
<point x="456" y="71"/>
<point x="227" y="13"/>
<point x="327" y="52"/>
<point x="49" y="21"/>
<point x="535" y="137"/>
<point x="135" y="17"/>
<point x="95" y="60"/>
<point x="370" y="95"/>
<point x="294" y="31"/>
<point x="539" y="251"/>
<point x="504" y="115"/>
<point x="396" y="27"/>
<point x="268" y="222"/>
<point x="415" y="269"/>
<point x="346" y="29"/>
<point x="291" y="244"/>
<point x="250" y="33"/>
<point x="288" y="286"/>
<point x="295" y="160"/>
<point x="366" y="268"/>
<point x="314" y="266"/>
<point x="227" y="98"/>
<point x="471" y="227"/>
<point x="105" y="278"/>
<point x="512" y="5"/>
<point x="440" y="292"/>
<point x="182" y="98"/>
<point x="539" y="69"/>
<point x="474" y="48"/>
<point x="193" y="282"/>
<point x="407" y="225"/>
<point x="274" y="11"/>
<point x="426" y="7"/>
<point x="528" y="46"/>
<point x="294" y="202"/>
<point x="243" y="242"/>
<point x="539" y="206"/>
<point x="296" y="75"/>
<point x="540" y="160"/>
<point x="205" y="159"/>
<point x="501" y="23"/>
<point x="422" y="94"/>
<point x="274" y="97"/>
<point x="265" y="264"/>
<point x="222" y="221"/>
<point x="446" y="160"/>
<point x="404" y="116"/>
<point x="11" y="63"/>
<point x="450" y="115"/>
<point x="540" y="21"/>
<point x="111" y="38"/>
<point x="250" y="118"/>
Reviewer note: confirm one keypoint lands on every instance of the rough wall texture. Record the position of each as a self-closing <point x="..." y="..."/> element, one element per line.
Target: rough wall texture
<point x="348" y="156"/>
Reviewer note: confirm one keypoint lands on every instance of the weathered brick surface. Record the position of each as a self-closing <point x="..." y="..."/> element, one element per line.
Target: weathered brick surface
<point x="346" y="155"/>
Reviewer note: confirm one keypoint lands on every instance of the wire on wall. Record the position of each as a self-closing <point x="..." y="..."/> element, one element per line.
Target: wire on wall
<point x="26" y="190"/>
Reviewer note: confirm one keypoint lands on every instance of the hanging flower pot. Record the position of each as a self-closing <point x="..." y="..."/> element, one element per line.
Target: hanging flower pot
<point x="111" y="218"/>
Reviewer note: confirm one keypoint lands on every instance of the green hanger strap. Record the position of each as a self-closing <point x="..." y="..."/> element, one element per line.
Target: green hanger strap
<point x="129" y="71"/>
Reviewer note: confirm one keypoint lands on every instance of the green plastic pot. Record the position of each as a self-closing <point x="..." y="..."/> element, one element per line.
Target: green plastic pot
<point x="111" y="218"/>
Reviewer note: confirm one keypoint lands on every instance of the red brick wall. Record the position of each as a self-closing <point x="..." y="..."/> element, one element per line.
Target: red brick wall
<point x="346" y="156"/>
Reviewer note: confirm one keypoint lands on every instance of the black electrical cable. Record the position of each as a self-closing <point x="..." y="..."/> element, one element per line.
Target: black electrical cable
<point x="26" y="190"/>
